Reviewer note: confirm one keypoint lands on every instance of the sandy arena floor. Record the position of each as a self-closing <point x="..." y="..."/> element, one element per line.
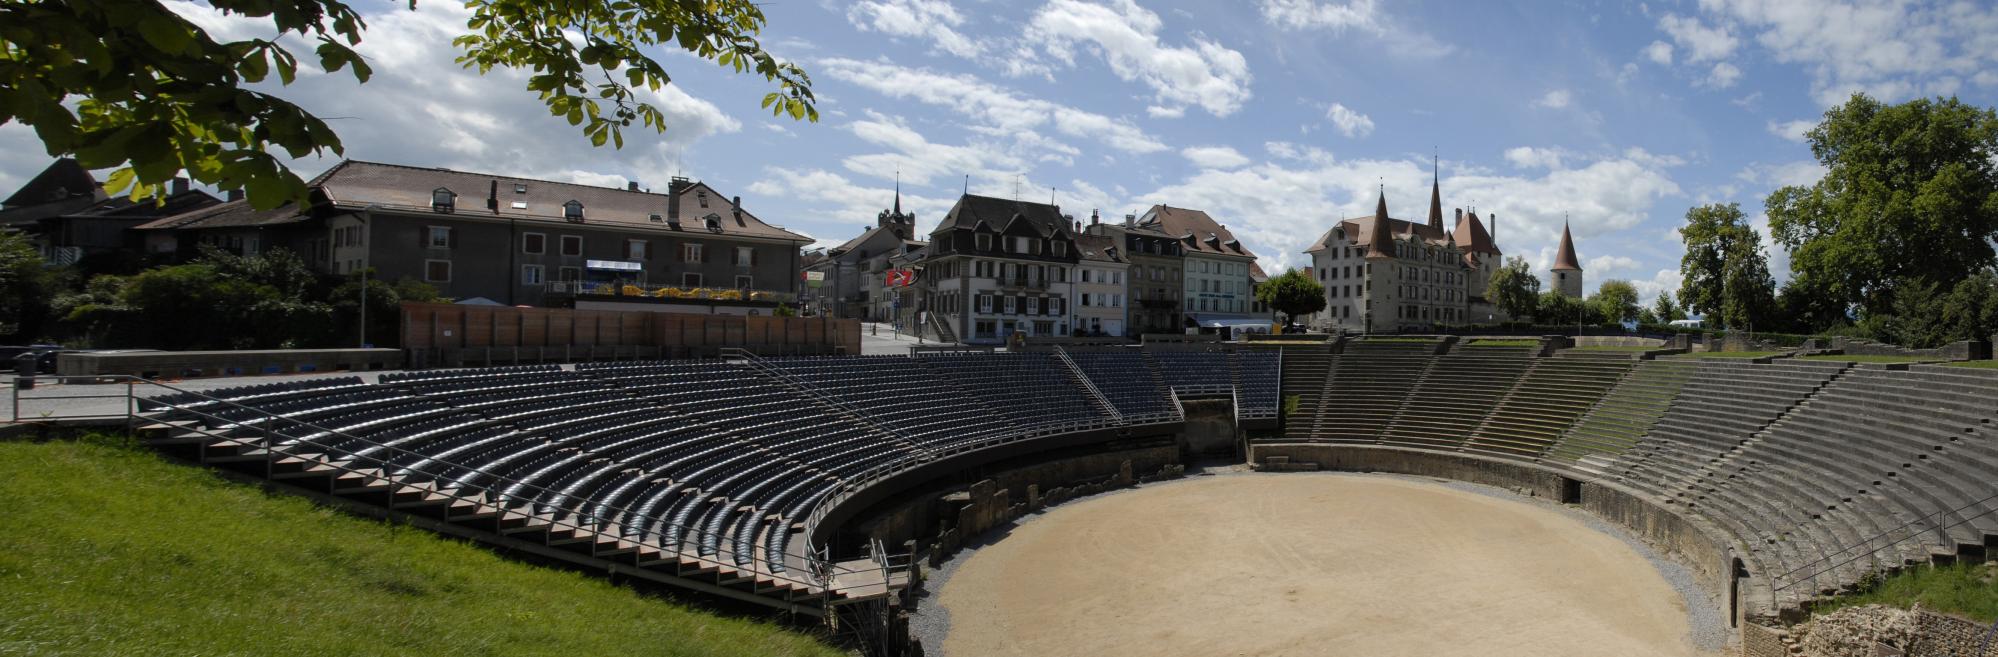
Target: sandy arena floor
<point x="1309" y="565"/>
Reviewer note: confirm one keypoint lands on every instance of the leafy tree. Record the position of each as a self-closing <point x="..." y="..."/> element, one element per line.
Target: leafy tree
<point x="1649" y="315"/>
<point x="385" y="301"/>
<point x="1514" y="290"/>
<point x="131" y="84"/>
<point x="25" y="284"/>
<point x="1927" y="314"/>
<point x="1665" y="309"/>
<point x="1616" y="301"/>
<point x="1725" y="275"/>
<point x="1292" y="293"/>
<point x="1555" y="308"/>
<point x="1806" y="307"/>
<point x="1910" y="194"/>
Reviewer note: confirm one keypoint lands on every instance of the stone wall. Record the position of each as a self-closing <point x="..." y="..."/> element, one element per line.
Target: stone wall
<point x="1210" y="428"/>
<point x="1939" y="635"/>
<point x="1702" y="549"/>
<point x="1959" y="350"/>
<point x="1763" y="641"/>
<point x="925" y="514"/>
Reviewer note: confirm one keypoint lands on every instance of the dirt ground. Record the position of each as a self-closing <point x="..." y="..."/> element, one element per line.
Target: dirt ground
<point x="1293" y="564"/>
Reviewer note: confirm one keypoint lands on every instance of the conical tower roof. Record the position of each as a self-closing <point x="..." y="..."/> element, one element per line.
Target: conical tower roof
<point x="1380" y="241"/>
<point x="1436" y="202"/>
<point x="1565" y="260"/>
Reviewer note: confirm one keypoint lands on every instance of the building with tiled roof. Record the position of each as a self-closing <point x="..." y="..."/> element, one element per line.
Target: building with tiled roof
<point x="1385" y="274"/>
<point x="1216" y="286"/>
<point x="998" y="267"/>
<point x="1100" y="289"/>
<point x="855" y="272"/>
<point x="521" y="241"/>
<point x="1155" y="280"/>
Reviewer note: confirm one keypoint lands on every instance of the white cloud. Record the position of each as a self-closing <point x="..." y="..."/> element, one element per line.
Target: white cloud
<point x="1792" y="130"/>
<point x="1278" y="207"/>
<point x="1556" y="99"/>
<point x="1601" y="267"/>
<point x="997" y="110"/>
<point x="1363" y="16"/>
<point x="1528" y="157"/>
<point x="1723" y="76"/>
<point x="1664" y="280"/>
<point x="934" y="20"/>
<point x="847" y="208"/>
<point x="1893" y="50"/>
<point x="1659" y="53"/>
<point x="1125" y="35"/>
<point x="1650" y="159"/>
<point x="919" y="161"/>
<point x="1214" y="157"/>
<point x="1349" y="122"/>
<point x="1701" y="43"/>
<point x="1162" y="112"/>
<point x="1802" y="172"/>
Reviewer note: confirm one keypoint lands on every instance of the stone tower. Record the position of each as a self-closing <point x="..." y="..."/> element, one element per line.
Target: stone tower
<point x="1567" y="269"/>
<point x="1380" y="273"/>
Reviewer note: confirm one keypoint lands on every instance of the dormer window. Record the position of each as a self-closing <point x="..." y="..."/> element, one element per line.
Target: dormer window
<point x="658" y="218"/>
<point x="984" y="242"/>
<point x="713" y="222"/>
<point x="573" y="211"/>
<point x="703" y="196"/>
<point x="519" y="188"/>
<point x="1061" y="249"/>
<point x="443" y="200"/>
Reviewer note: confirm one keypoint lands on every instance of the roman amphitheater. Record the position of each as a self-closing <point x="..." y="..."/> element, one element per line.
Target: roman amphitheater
<point x="1403" y="496"/>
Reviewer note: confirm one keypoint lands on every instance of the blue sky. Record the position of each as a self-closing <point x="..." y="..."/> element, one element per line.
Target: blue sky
<point x="1276" y="116"/>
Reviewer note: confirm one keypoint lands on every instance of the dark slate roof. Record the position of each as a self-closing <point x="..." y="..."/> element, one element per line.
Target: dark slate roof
<point x="1100" y="248"/>
<point x="64" y="179"/>
<point x="354" y="184"/>
<point x="1197" y="232"/>
<point x="998" y="213"/>
<point x="1564" y="260"/>
<point x="232" y="214"/>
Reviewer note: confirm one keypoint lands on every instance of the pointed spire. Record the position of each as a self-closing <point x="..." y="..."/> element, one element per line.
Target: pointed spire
<point x="1565" y="259"/>
<point x="898" y="192"/>
<point x="1380" y="243"/>
<point x="1435" y="197"/>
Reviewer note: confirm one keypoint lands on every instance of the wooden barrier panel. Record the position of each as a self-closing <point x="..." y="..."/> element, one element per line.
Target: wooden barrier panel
<point x="440" y="329"/>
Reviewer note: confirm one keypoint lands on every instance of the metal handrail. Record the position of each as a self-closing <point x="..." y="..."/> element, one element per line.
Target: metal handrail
<point x="764" y="367"/>
<point x="1090" y="386"/>
<point x="1868" y="542"/>
<point x="498" y="481"/>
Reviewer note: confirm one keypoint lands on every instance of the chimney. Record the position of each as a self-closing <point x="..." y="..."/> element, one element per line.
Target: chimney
<point x="1494" y="231"/>
<point x="735" y="209"/>
<point x="1092" y="217"/>
<point x="1130" y="219"/>
<point x="631" y="185"/>
<point x="235" y="194"/>
<point x="1460" y="215"/>
<point x="673" y="189"/>
<point x="180" y="185"/>
<point x="492" y="197"/>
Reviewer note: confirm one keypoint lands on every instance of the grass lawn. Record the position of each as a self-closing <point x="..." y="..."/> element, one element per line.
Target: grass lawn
<point x="1958" y="589"/>
<point x="1617" y="348"/>
<point x="1734" y="354"/>
<point x="1398" y="339"/>
<point x="111" y="550"/>
<point x="1504" y="343"/>
<point x="1868" y="359"/>
<point x="1977" y="364"/>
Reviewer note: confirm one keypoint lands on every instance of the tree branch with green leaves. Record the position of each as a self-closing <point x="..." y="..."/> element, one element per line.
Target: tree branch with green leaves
<point x="131" y="85"/>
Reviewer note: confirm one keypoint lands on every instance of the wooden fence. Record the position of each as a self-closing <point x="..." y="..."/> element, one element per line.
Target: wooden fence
<point x="437" y="334"/>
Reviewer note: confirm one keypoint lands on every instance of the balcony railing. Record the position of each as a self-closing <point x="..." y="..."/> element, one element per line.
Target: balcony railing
<point x="1024" y="283"/>
<point x="1158" y="304"/>
<point x="667" y="292"/>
